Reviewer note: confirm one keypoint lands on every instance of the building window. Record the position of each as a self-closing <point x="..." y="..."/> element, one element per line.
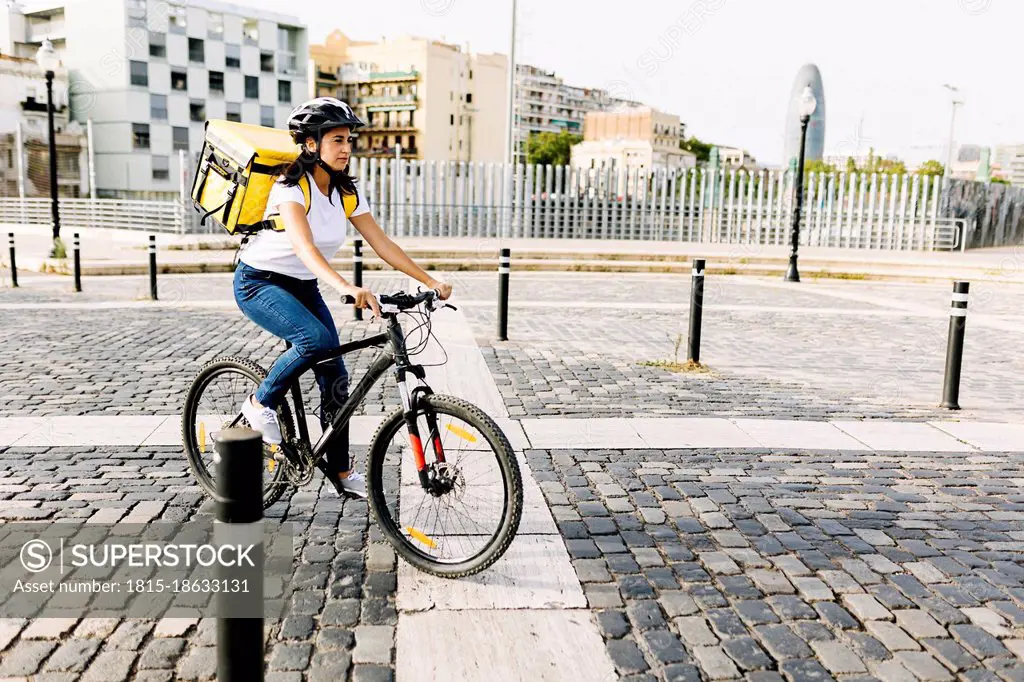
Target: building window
<point x="176" y="22"/>
<point x="251" y="31"/>
<point x="451" y="119"/>
<point x="179" y="80"/>
<point x="197" y="110"/>
<point x="140" y="136"/>
<point x="180" y="138"/>
<point x="161" y="168"/>
<point x="267" y="62"/>
<point x="139" y="73"/>
<point x="469" y="98"/>
<point x="158" y="45"/>
<point x="284" y="92"/>
<point x="158" y="107"/>
<point x="252" y="87"/>
<point x="136" y="10"/>
<point x="267" y="116"/>
<point x="215" y="26"/>
<point x="412" y="143"/>
<point x="216" y="81"/>
<point x="196" y="50"/>
<point x="233" y="56"/>
<point x="234" y="112"/>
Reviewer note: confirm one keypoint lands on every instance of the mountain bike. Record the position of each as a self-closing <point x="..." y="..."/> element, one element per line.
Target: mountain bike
<point x="450" y="502"/>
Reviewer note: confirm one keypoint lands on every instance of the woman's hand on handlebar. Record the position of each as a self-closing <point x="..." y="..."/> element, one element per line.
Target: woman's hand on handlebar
<point x="442" y="288"/>
<point x="361" y="298"/>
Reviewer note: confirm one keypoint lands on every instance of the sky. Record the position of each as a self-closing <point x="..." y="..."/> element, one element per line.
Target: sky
<point x="725" y="67"/>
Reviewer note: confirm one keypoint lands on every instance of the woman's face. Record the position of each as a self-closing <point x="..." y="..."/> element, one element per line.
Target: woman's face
<point x="335" y="147"/>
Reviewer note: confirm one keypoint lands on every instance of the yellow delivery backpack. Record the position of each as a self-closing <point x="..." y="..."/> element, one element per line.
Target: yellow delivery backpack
<point x="238" y="166"/>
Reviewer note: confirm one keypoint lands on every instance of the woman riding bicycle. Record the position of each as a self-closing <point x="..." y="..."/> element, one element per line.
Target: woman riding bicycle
<point x="276" y="279"/>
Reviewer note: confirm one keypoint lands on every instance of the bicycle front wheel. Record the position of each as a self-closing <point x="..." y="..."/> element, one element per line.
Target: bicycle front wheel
<point x="468" y="514"/>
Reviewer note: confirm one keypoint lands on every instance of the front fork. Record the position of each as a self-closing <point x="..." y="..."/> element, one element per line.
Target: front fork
<point x="412" y="403"/>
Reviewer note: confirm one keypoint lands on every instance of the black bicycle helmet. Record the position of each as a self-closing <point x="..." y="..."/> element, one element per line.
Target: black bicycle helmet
<point x="312" y="118"/>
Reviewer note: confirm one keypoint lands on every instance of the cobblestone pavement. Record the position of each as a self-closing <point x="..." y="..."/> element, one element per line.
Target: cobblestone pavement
<point x="341" y="620"/>
<point x="124" y="361"/>
<point x="810" y="566"/>
<point x="824" y="355"/>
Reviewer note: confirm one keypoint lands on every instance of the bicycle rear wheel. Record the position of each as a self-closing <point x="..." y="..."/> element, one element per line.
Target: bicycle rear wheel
<point x="471" y="518"/>
<point x="213" y="404"/>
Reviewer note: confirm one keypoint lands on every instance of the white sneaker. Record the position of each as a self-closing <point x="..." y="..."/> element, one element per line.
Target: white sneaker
<point x="354" y="485"/>
<point x="262" y="419"/>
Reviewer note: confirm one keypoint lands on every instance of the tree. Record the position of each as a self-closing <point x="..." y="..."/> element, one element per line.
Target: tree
<point x="931" y="168"/>
<point x="700" y="149"/>
<point x="818" y="166"/>
<point x="551" y="148"/>
<point x="997" y="180"/>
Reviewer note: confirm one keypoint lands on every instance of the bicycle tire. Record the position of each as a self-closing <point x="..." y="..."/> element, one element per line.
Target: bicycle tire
<point x="272" y="490"/>
<point x="499" y="543"/>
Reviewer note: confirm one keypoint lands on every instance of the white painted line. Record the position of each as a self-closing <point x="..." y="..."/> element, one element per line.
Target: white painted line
<point x="91" y="430"/>
<point x="13" y="428"/>
<point x="464" y="373"/>
<point x="991" y="437"/>
<point x="798" y="435"/>
<point x="902" y="436"/>
<point x="535" y="573"/>
<point x="697" y="432"/>
<point x="560" y="433"/>
<point x="512" y="646"/>
<point x="563" y="433"/>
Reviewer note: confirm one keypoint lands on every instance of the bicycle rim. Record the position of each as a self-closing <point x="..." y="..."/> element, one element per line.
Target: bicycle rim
<point x="467" y="528"/>
<point x="213" y="405"/>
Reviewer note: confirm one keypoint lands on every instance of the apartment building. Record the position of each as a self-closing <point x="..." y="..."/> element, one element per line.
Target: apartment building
<point x="1008" y="163"/>
<point x="150" y="73"/>
<point x="436" y="100"/>
<point x="24" y="137"/>
<point x="544" y="103"/>
<point x="638" y="137"/>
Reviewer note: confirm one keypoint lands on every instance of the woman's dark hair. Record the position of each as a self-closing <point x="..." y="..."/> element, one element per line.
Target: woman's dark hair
<point x="305" y="163"/>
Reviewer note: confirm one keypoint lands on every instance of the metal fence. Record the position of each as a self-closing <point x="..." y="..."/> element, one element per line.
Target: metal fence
<point x="418" y="198"/>
<point x="453" y="199"/>
<point x="151" y="216"/>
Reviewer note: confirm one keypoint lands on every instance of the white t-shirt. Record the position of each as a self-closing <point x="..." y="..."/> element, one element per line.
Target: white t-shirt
<point x="270" y="250"/>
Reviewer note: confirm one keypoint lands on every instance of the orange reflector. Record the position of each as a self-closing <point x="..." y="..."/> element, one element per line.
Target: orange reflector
<point x="417" y="535"/>
<point x="202" y="437"/>
<point x="462" y="433"/>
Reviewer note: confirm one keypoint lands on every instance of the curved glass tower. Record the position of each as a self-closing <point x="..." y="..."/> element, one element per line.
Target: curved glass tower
<point x="807" y="76"/>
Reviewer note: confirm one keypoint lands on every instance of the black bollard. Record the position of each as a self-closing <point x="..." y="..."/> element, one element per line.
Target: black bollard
<point x="239" y="514"/>
<point x="955" y="346"/>
<point x="152" y="266"/>
<point x="357" y="270"/>
<point x="78" y="263"/>
<point x="504" y="269"/>
<point x="14" y="263"/>
<point x="696" y="310"/>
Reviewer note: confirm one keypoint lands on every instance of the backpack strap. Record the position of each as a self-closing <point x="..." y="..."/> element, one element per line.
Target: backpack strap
<point x="274" y="221"/>
<point x="350" y="201"/>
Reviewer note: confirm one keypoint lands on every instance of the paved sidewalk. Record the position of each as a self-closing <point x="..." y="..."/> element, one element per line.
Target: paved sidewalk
<point x="116" y="252"/>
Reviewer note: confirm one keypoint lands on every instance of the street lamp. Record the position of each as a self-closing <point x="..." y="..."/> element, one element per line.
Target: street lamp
<point x="952" y="125"/>
<point x="807" y="106"/>
<point x="48" y="61"/>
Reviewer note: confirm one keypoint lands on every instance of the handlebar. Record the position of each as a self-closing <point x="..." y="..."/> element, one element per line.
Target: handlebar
<point x="399" y="301"/>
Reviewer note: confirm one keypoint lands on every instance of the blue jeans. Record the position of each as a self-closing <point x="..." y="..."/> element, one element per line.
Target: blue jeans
<point x="294" y="310"/>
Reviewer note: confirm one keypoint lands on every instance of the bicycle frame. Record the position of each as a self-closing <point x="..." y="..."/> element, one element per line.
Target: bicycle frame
<point x="411" y="400"/>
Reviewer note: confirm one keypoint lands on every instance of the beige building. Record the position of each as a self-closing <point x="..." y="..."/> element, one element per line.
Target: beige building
<point x="737" y="158"/>
<point x="639" y="137"/>
<point x="24" y="137"/>
<point x="439" y="101"/>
